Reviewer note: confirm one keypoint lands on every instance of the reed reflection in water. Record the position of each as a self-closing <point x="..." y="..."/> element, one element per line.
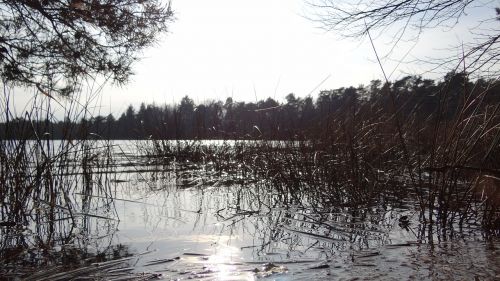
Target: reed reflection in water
<point x="205" y="221"/>
<point x="191" y="219"/>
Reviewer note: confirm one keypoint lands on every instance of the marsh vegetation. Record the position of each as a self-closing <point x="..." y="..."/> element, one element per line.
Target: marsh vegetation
<point x="388" y="180"/>
<point x="381" y="181"/>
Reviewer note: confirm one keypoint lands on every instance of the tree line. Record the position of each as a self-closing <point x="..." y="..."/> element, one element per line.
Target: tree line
<point x="295" y="118"/>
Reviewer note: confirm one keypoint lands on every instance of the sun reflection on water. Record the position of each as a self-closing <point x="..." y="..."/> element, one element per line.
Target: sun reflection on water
<point x="226" y="263"/>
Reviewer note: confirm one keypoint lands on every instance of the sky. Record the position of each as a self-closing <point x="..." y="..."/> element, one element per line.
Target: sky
<point x="251" y="50"/>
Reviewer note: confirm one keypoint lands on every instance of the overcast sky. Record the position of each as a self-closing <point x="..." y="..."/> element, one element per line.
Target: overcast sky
<point x="256" y="49"/>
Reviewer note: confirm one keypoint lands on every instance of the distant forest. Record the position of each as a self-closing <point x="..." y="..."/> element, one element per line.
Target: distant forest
<point x="297" y="118"/>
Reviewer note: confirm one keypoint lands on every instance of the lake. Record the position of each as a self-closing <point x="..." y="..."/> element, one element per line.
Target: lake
<point x="166" y="217"/>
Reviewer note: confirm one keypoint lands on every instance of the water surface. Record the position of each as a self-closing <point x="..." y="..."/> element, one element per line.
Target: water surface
<point x="181" y="220"/>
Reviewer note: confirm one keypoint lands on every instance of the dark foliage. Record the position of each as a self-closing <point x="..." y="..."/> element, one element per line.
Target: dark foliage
<point x="52" y="44"/>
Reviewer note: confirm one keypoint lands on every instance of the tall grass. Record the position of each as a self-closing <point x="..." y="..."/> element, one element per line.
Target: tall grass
<point x="454" y="154"/>
<point x="373" y="148"/>
<point x="48" y="187"/>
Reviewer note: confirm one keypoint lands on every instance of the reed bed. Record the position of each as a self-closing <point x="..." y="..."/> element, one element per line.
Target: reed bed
<point x="54" y="194"/>
<point x="362" y="156"/>
<point x="446" y="160"/>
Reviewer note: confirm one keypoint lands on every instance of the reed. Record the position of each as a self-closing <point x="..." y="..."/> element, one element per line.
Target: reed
<point x="370" y="149"/>
<point x="47" y="185"/>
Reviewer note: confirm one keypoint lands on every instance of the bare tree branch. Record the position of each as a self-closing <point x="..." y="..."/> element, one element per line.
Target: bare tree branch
<point x="355" y="18"/>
